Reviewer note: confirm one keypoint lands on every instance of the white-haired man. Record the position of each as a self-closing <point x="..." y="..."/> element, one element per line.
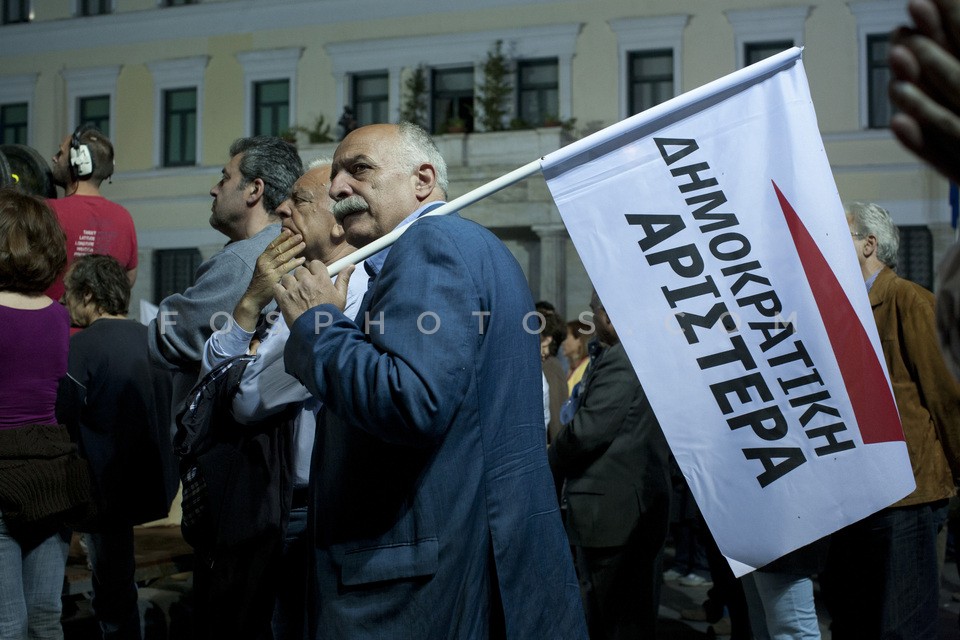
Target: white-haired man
<point x="882" y="572"/>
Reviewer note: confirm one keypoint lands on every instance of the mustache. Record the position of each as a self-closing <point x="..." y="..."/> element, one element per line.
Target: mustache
<point x="347" y="206"/>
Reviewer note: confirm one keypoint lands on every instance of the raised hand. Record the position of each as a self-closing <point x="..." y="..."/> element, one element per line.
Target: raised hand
<point x="280" y="257"/>
<point x="308" y="287"/>
<point x="925" y="61"/>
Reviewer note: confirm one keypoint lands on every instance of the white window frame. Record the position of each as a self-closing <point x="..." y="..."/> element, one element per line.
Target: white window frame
<point x="349" y="88"/>
<point x="766" y="25"/>
<point x="874" y="17"/>
<point x="181" y="73"/>
<point x="271" y="64"/>
<point x="647" y="34"/>
<point x="17" y="89"/>
<point x="456" y="50"/>
<point x="86" y="83"/>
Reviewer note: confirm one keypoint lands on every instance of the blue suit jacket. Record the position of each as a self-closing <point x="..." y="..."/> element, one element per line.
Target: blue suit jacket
<point x="433" y="500"/>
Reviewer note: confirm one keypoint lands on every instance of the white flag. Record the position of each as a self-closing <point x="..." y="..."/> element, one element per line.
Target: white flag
<point x="712" y="230"/>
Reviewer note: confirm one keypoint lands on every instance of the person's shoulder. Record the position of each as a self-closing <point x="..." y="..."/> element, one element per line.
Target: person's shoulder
<point x="249" y="249"/>
<point x="115" y="206"/>
<point x="454" y="230"/>
<point x="907" y="292"/>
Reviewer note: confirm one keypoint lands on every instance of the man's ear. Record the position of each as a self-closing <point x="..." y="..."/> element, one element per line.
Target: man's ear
<point x="254" y="191"/>
<point x="426" y="181"/>
<point x="869" y="246"/>
<point x="337" y="234"/>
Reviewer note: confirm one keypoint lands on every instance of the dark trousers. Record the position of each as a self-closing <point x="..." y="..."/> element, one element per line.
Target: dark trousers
<point x="114" y="589"/>
<point x="289" y="616"/>
<point x="234" y="592"/>
<point x="882" y="578"/>
<point x="621" y="589"/>
<point x="727" y="591"/>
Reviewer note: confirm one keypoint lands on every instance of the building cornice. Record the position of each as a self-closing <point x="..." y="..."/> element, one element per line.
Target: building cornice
<point x="217" y="19"/>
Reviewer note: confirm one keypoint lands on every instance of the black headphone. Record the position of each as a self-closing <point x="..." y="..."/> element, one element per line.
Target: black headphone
<point x="80" y="159"/>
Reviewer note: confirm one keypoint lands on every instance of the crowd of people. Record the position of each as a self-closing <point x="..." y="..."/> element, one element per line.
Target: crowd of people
<point x="383" y="453"/>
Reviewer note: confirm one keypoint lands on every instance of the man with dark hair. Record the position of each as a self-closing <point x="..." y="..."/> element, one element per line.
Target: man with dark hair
<point x="115" y="405"/>
<point x="258" y="177"/>
<point x="254" y="182"/>
<point x="91" y="223"/>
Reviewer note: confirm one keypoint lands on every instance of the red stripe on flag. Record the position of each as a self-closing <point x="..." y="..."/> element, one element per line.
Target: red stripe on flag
<point x="866" y="383"/>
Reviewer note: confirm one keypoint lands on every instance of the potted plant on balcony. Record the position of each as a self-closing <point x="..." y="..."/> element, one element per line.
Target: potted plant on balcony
<point x="495" y="90"/>
<point x="454" y="125"/>
<point x="318" y="132"/>
<point x="415" y="99"/>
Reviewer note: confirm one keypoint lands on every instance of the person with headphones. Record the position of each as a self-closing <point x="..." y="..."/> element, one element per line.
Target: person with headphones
<point x="91" y="223"/>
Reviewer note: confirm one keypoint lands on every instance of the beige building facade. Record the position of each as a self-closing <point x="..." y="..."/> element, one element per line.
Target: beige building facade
<point x="173" y="83"/>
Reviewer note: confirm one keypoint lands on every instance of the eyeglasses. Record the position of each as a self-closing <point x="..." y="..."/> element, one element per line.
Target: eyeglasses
<point x="856" y="235"/>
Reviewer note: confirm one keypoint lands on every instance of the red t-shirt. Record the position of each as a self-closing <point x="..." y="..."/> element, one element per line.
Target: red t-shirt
<point x="93" y="224"/>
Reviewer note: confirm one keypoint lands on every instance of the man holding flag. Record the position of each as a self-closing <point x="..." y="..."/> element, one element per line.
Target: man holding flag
<point x="433" y="511"/>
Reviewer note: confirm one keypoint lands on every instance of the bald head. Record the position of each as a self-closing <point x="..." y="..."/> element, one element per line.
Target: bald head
<point x="381" y="174"/>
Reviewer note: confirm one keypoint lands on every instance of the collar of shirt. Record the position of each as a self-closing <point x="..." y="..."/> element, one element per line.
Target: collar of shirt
<point x="374" y="263"/>
<point x="871" y="280"/>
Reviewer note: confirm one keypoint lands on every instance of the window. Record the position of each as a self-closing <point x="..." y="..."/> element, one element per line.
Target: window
<point x="173" y="271"/>
<point x="16" y="11"/>
<point x="649" y="53"/>
<point x="538" y="94"/>
<point x="271" y="107"/>
<point x="91" y="96"/>
<point x="761" y="33"/>
<point x="16" y="107"/>
<point x="95" y="111"/>
<point x="878" y="77"/>
<point x="371" y="97"/>
<point x="651" y="79"/>
<point x="179" y="127"/>
<point x="94" y="7"/>
<point x="178" y="111"/>
<point x="13" y="123"/>
<point x="875" y="20"/>
<point x="757" y="51"/>
<point x="452" y="99"/>
<point x="270" y="99"/>
<point x="457" y="50"/>
<point x="177" y="3"/>
<point x="915" y="258"/>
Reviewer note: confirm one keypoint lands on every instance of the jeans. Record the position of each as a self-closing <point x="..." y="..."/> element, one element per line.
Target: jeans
<point x="781" y="606"/>
<point x="114" y="588"/>
<point x="31" y="582"/>
<point x="882" y="578"/>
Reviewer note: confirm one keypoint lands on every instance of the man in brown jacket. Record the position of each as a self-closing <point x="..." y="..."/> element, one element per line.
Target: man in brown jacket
<point x="882" y="578"/>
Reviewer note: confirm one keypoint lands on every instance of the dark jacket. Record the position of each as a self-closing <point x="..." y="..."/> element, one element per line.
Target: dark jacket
<point x="116" y="406"/>
<point x="615" y="458"/>
<point x="237" y="479"/>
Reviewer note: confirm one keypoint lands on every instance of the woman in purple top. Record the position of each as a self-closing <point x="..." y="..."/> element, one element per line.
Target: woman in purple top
<point x="34" y="332"/>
